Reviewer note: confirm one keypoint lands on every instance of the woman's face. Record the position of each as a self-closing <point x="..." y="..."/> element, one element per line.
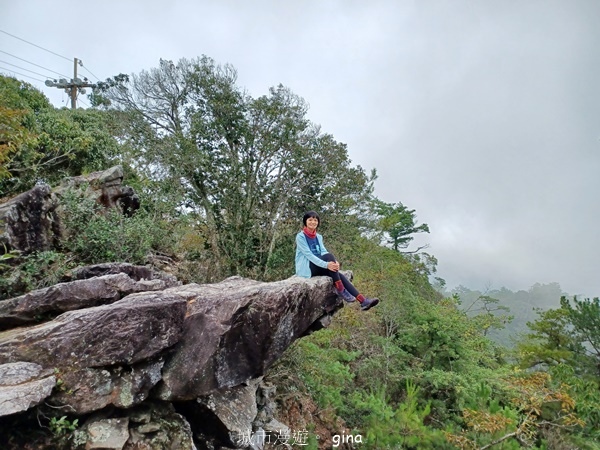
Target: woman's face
<point x="312" y="223"/>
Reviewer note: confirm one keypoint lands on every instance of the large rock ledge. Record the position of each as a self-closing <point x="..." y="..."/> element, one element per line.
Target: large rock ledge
<point x="120" y="339"/>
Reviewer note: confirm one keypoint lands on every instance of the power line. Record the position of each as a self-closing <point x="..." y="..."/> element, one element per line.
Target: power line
<point x="90" y="72"/>
<point x="34" y="64"/>
<point x="35" y="45"/>
<point x="22" y="74"/>
<point x="23" y="68"/>
<point x="75" y="85"/>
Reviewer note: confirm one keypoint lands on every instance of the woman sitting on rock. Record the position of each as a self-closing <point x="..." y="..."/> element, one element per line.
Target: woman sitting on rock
<point x="313" y="260"/>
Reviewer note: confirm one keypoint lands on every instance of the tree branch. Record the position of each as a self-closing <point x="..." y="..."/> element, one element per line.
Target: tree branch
<point x="417" y="250"/>
<point x="502" y="439"/>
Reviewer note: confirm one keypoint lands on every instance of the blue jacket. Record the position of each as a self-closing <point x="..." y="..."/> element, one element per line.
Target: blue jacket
<point x="304" y="255"/>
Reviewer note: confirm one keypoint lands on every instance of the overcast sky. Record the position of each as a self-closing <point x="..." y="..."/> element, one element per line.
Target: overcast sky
<point x="483" y="116"/>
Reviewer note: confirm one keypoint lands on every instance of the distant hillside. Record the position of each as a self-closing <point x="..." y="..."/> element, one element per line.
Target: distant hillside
<point x="522" y="305"/>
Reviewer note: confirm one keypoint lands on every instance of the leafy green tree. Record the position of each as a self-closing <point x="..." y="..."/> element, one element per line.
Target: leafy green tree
<point x="19" y="95"/>
<point x="248" y="166"/>
<point x="41" y="143"/>
<point x="489" y="313"/>
<point x="550" y="341"/>
<point x="566" y="335"/>
<point x="19" y="104"/>
<point x="97" y="96"/>
<point x="584" y="316"/>
<point x="398" y="224"/>
<point x="586" y="393"/>
<point x="12" y="135"/>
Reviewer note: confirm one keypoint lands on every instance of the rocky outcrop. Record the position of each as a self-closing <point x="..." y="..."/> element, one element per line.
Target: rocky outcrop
<point x="71" y="296"/>
<point x="106" y="187"/>
<point x="244" y="326"/>
<point x="32" y="220"/>
<point x="119" y="356"/>
<point x="129" y="331"/>
<point x="151" y="426"/>
<point x="91" y="389"/>
<point x="137" y="273"/>
<point x="135" y="355"/>
<point x="23" y="385"/>
<point x="29" y="222"/>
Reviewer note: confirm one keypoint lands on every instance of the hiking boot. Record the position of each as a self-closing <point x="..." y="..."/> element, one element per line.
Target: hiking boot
<point x="368" y="303"/>
<point x="347" y="296"/>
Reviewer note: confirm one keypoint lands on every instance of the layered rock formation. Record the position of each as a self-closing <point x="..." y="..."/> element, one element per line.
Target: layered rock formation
<point x="32" y="221"/>
<point x="143" y="362"/>
<point x="126" y="357"/>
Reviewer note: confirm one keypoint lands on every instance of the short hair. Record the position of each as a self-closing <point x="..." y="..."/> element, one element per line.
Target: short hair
<point x="309" y="214"/>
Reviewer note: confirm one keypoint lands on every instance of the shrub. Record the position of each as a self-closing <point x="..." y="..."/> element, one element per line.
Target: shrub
<point x="35" y="271"/>
<point x="95" y="235"/>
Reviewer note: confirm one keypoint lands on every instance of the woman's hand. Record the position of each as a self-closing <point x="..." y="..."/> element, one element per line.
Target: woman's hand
<point x="334" y="266"/>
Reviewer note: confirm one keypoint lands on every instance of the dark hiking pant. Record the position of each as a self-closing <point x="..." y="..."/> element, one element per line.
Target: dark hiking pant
<point x="317" y="271"/>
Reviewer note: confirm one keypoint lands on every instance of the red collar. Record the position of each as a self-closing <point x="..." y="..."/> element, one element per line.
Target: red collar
<point x="310" y="234"/>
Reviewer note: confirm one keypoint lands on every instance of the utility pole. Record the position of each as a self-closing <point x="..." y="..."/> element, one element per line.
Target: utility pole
<point x="73" y="87"/>
<point x="73" y="90"/>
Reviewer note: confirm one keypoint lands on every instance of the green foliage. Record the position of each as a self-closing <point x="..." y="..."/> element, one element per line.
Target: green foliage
<point x="19" y="104"/>
<point x="550" y="341"/>
<point x="567" y="335"/>
<point x="466" y="395"/>
<point x="6" y="257"/>
<point x="564" y="342"/>
<point x="12" y="135"/>
<point x="489" y="314"/>
<point x="324" y="369"/>
<point x="586" y="393"/>
<point x="39" y="142"/>
<point x="531" y="411"/>
<point x="19" y="95"/>
<point x="398" y="224"/>
<point x="389" y="427"/>
<point x="96" y="235"/>
<point x="34" y="271"/>
<point x="62" y="426"/>
<point x="98" y="96"/>
<point x="249" y="167"/>
<point x="63" y="430"/>
<point x="584" y="317"/>
<point x="417" y="358"/>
